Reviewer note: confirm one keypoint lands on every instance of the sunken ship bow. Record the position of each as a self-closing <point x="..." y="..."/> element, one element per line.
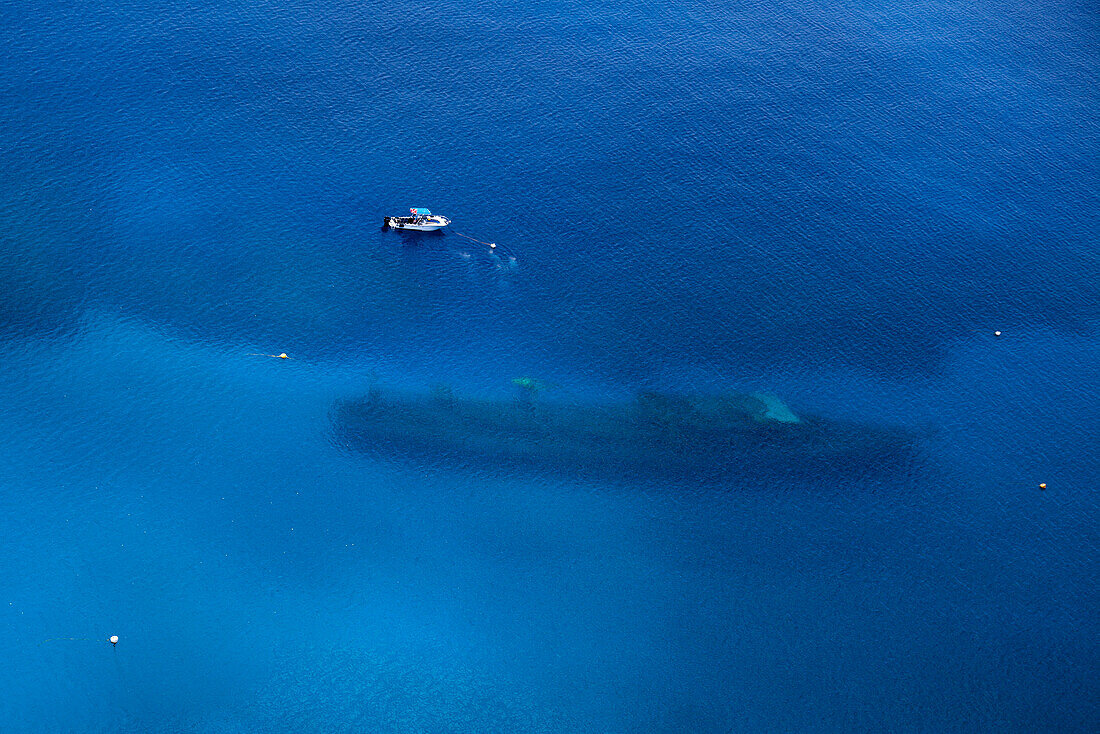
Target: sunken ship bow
<point x="686" y="437"/>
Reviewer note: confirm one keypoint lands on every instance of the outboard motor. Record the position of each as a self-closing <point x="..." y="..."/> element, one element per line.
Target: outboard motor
<point x="385" y="222"/>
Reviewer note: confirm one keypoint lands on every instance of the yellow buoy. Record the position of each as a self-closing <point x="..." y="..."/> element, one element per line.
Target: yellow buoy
<point x="1043" y="485"/>
<point x="283" y="356"/>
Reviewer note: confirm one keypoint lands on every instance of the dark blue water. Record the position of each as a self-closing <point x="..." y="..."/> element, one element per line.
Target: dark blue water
<point x="838" y="202"/>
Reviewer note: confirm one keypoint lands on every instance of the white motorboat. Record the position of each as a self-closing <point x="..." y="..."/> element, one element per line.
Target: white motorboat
<point x="420" y="220"/>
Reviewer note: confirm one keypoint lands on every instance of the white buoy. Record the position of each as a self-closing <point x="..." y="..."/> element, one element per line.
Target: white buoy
<point x="996" y="333"/>
<point x="114" y="639"/>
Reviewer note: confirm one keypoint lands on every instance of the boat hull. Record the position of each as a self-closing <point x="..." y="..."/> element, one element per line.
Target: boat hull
<point x="694" y="438"/>
<point x="429" y="224"/>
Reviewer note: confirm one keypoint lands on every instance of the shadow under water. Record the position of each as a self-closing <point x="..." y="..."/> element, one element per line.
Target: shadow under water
<point x="698" y="438"/>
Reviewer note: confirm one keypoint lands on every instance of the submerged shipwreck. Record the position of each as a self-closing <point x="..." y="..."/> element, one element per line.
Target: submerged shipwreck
<point x="688" y="437"/>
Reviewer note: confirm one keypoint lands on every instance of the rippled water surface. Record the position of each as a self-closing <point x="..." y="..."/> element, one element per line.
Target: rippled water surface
<point x="838" y="203"/>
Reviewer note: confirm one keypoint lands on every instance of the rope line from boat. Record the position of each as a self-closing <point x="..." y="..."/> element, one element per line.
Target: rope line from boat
<point x="493" y="246"/>
<point x="68" y="639"/>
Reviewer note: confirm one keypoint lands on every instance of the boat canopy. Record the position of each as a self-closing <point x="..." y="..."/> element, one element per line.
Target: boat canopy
<point x="419" y="211"/>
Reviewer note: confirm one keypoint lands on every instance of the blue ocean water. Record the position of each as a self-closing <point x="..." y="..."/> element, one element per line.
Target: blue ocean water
<point x="837" y="202"/>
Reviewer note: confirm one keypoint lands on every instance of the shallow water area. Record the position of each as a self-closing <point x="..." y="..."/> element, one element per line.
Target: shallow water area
<point x="832" y="204"/>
